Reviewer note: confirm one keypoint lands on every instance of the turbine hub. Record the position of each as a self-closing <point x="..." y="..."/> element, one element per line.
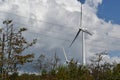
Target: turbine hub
<point x="84" y="28"/>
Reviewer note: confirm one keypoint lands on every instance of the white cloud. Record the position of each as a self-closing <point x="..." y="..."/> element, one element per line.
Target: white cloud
<point x="39" y="14"/>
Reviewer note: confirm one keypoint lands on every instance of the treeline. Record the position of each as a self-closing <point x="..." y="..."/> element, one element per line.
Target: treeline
<point x="72" y="71"/>
<point x="13" y="44"/>
<point x="51" y="69"/>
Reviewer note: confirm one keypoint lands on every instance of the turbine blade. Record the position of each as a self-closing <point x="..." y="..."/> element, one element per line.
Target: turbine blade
<point x="65" y="55"/>
<point x="88" y="32"/>
<point x="75" y="37"/>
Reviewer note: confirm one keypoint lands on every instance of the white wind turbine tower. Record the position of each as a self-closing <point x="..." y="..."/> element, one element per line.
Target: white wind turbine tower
<point x="83" y="30"/>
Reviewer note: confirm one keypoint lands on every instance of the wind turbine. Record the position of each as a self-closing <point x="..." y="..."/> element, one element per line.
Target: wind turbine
<point x="83" y="30"/>
<point x="67" y="61"/>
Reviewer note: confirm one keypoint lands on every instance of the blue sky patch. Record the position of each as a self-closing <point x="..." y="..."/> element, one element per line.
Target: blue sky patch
<point x="82" y="1"/>
<point x="109" y="10"/>
<point x="114" y="53"/>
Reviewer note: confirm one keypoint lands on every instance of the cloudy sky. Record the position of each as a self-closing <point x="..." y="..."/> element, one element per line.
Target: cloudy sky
<point x="55" y="23"/>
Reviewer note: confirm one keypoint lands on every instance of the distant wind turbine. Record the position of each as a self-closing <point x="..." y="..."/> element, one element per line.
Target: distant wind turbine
<point x="66" y="59"/>
<point x="83" y="30"/>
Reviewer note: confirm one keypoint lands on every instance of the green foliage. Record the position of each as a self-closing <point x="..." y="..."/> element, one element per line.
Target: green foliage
<point x="116" y="72"/>
<point x="97" y="70"/>
<point x="14" y="76"/>
<point x="12" y="46"/>
<point x="72" y="71"/>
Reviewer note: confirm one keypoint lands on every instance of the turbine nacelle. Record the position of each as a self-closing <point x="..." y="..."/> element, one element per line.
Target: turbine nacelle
<point x="83" y="29"/>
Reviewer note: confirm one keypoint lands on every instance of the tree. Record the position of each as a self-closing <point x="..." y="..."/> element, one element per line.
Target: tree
<point x="116" y="72"/>
<point x="99" y="68"/>
<point x="45" y="64"/>
<point x="12" y="46"/>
